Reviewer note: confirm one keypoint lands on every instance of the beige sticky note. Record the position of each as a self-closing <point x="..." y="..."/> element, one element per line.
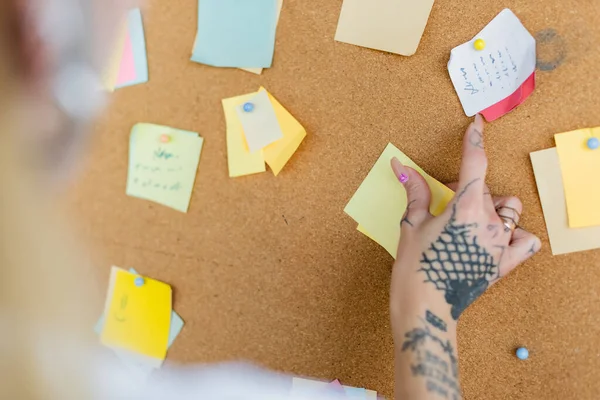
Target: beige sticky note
<point x="258" y="71"/>
<point x="563" y="239"/>
<point x="279" y="153"/>
<point x="580" y="167"/>
<point x="239" y="159"/>
<point x="388" y="25"/>
<point x="260" y="125"/>
<point x="379" y="203"/>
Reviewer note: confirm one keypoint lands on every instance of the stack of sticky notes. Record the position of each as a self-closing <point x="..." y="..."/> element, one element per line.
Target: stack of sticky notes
<point x="395" y="26"/>
<point x="495" y="71"/>
<point x="238" y="34"/>
<point x="162" y="164"/>
<point x="380" y="202"/>
<point x="259" y="131"/>
<point x="129" y="64"/>
<point x="313" y="388"/>
<point x="138" y="322"/>
<point x="569" y="189"/>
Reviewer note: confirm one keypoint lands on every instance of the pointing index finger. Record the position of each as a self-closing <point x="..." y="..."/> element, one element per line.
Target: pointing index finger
<point x="474" y="162"/>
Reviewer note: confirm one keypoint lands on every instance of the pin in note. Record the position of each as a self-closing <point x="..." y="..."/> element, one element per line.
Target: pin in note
<point x="163" y="172"/>
<point x="563" y="239"/>
<point x="494" y="77"/>
<point x="395" y="26"/>
<point x="259" y="122"/>
<point x="137" y="319"/>
<point x="233" y="33"/>
<point x="580" y="167"/>
<point x="380" y="201"/>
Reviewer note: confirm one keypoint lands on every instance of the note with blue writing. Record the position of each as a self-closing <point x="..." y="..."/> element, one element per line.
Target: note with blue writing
<point x="485" y="78"/>
<point x="162" y="164"/>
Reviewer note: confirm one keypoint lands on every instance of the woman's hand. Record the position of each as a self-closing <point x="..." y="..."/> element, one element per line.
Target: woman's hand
<point x="445" y="263"/>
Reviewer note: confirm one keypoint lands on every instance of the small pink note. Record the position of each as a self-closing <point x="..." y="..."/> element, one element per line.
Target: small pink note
<point x="336" y="387"/>
<point x="509" y="103"/>
<point x="127" y="67"/>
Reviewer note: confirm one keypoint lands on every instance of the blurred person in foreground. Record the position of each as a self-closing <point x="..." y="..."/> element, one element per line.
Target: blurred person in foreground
<point x="50" y="60"/>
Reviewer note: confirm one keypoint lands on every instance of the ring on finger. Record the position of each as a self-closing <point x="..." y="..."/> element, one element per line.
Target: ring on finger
<point x="510" y="218"/>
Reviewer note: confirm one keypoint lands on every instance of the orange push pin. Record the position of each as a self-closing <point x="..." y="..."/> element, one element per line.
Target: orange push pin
<point x="164" y="138"/>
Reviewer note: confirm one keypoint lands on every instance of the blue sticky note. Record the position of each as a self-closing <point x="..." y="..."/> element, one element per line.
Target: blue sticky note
<point x="174" y="330"/>
<point x="236" y="33"/>
<point x="138" y="44"/>
<point x="355" y="393"/>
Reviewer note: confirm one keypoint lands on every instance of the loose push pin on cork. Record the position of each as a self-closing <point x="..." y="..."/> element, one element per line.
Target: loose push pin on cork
<point x="479" y="44"/>
<point x="164" y="138"/>
<point x="522" y="353"/>
<point x="593" y="143"/>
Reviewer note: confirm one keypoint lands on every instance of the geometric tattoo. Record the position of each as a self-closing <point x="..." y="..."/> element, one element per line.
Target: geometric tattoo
<point x="434" y="360"/>
<point x="456" y="264"/>
<point x="435" y="321"/>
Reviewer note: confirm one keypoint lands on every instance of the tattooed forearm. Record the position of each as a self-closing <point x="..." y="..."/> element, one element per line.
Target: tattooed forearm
<point x="434" y="359"/>
<point x="457" y="264"/>
<point x="435" y="321"/>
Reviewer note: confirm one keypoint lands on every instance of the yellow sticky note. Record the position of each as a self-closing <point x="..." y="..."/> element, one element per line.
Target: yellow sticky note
<point x="138" y="318"/>
<point x="239" y="159"/>
<point x="278" y="154"/>
<point x="362" y="230"/>
<point x="162" y="164"/>
<point x="379" y="203"/>
<point x="580" y="168"/>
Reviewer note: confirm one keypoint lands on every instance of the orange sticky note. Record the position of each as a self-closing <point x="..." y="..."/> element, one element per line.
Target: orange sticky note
<point x="580" y="167"/>
<point x="138" y="318"/>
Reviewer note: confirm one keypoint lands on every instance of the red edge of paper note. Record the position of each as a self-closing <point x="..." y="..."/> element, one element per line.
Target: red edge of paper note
<point x="127" y="68"/>
<point x="511" y="102"/>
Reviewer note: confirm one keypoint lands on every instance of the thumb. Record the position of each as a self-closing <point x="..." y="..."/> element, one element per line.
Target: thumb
<point x="418" y="194"/>
<point x="522" y="246"/>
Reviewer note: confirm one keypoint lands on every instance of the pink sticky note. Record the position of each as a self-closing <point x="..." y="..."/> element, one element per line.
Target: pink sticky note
<point x="336" y="387"/>
<point x="509" y="103"/>
<point x="127" y="68"/>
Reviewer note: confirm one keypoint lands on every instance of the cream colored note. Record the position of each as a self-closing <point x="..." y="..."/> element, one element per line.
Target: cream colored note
<point x="388" y="25"/>
<point x="563" y="239"/>
<point x="279" y="153"/>
<point x="260" y="125"/>
<point x="580" y="167"/>
<point x="239" y="159"/>
<point x="258" y="71"/>
<point x="379" y="203"/>
<point x="163" y="171"/>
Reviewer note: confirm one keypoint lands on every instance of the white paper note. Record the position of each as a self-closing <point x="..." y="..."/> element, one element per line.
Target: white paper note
<point x="261" y="127"/>
<point x="483" y="78"/>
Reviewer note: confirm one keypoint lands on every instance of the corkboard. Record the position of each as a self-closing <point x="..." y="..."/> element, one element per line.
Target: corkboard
<point x="272" y="271"/>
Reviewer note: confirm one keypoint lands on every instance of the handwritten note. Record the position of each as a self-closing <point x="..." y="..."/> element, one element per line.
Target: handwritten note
<point x="380" y="201"/>
<point x="484" y="78"/>
<point x="580" y="169"/>
<point x="261" y="127"/>
<point x="137" y="318"/>
<point x="162" y="170"/>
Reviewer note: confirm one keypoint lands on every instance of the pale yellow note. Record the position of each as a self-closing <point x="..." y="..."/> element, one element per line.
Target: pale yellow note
<point x="239" y="159"/>
<point x="362" y="230"/>
<point x="258" y="71"/>
<point x="279" y="153"/>
<point x="549" y="181"/>
<point x="388" y="25"/>
<point x="162" y="170"/>
<point x="138" y="318"/>
<point x="580" y="168"/>
<point x="379" y="203"/>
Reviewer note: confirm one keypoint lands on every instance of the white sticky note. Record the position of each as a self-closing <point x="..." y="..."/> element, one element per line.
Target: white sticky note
<point x="261" y="127"/>
<point x="484" y="78"/>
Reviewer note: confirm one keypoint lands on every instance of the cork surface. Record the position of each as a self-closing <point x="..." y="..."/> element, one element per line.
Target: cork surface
<point x="270" y="270"/>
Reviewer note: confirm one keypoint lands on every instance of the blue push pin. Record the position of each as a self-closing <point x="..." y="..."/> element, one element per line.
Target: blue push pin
<point x="248" y="107"/>
<point x="139" y="281"/>
<point x="522" y="353"/>
<point x="593" y="143"/>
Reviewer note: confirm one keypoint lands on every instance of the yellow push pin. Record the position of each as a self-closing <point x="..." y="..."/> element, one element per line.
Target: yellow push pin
<point x="479" y="44"/>
<point x="164" y="138"/>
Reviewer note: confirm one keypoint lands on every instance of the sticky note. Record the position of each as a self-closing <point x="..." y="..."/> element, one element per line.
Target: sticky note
<point x="163" y="172"/>
<point x="548" y="177"/>
<point x="137" y="318"/>
<point x="111" y="73"/>
<point x="239" y="159"/>
<point x="134" y="58"/>
<point x="279" y="153"/>
<point x="395" y="26"/>
<point x="260" y="125"/>
<point x="379" y="203"/>
<point x="580" y="167"/>
<point x="485" y="77"/>
<point x="258" y="71"/>
<point x="511" y="102"/>
<point x="308" y="387"/>
<point x="236" y="33"/>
